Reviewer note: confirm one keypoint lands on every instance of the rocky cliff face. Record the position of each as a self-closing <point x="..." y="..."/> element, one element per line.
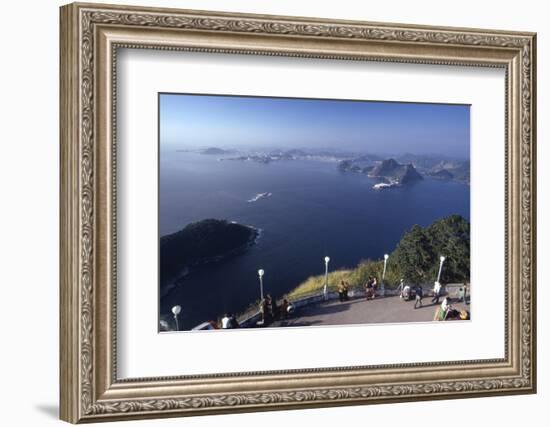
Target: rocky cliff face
<point x="393" y="171"/>
<point x="410" y="174"/>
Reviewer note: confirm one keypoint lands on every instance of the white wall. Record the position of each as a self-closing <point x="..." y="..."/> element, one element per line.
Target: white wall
<point x="29" y="170"/>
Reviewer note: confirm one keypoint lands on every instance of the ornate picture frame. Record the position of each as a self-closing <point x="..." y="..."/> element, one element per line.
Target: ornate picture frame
<point x="90" y="37"/>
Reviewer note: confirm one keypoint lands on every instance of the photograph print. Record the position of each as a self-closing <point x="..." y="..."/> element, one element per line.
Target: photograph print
<point x="296" y="212"/>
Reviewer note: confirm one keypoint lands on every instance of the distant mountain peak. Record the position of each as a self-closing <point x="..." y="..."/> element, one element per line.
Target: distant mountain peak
<point x="392" y="170"/>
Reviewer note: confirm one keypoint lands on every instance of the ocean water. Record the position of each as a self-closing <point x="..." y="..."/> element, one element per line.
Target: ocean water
<point x="314" y="211"/>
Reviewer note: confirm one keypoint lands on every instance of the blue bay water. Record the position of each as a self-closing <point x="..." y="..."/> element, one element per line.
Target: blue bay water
<point x="314" y="211"/>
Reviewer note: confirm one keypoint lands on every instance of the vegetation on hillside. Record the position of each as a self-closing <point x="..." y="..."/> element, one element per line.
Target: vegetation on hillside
<point x="201" y="242"/>
<point x="415" y="259"/>
<point x="417" y="254"/>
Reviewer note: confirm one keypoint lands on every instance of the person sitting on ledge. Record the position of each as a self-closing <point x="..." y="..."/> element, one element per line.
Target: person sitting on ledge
<point x="290" y="309"/>
<point x="226" y="321"/>
<point x="445" y="308"/>
<point x="284" y="309"/>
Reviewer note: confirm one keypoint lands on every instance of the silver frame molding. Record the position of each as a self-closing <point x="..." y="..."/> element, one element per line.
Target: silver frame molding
<point x="90" y="37"/>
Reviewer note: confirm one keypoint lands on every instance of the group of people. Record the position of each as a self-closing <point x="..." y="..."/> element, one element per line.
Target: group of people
<point x="407" y="292"/>
<point x="447" y="312"/>
<point x="343" y="289"/>
<point x="270" y="311"/>
<point x="370" y="289"/>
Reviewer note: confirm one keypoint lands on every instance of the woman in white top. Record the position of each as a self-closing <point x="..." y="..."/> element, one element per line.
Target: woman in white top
<point x="400" y="288"/>
<point x="226" y="321"/>
<point x="406" y="292"/>
<point x="437" y="292"/>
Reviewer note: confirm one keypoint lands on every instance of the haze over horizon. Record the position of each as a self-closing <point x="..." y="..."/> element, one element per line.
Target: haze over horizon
<point x="377" y="127"/>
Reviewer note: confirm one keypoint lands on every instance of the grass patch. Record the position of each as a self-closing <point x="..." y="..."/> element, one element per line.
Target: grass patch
<point x="356" y="277"/>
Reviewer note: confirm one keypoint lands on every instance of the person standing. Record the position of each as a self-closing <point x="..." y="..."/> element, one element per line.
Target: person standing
<point x="341" y="291"/>
<point x="465" y="294"/>
<point x="407" y="292"/>
<point x="233" y="322"/>
<point x="401" y="288"/>
<point x="262" y="310"/>
<point x="270" y="305"/>
<point x="368" y="288"/>
<point x="274" y="308"/>
<point x="346" y="290"/>
<point x="419" y="295"/>
<point x="437" y="293"/>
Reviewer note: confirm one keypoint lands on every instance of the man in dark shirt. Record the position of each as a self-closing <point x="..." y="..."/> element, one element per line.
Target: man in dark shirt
<point x="419" y="295"/>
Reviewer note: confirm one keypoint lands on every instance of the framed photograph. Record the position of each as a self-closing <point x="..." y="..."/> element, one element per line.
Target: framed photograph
<point x="266" y="212"/>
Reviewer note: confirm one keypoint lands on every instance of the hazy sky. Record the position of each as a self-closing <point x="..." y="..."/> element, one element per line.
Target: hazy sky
<point x="190" y="121"/>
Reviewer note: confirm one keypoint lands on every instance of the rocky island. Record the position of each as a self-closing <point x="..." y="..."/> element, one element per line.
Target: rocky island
<point x="395" y="172"/>
<point x="215" y="151"/>
<point x="389" y="172"/>
<point x="439" y="167"/>
<point x="392" y="171"/>
<point x="202" y="242"/>
<point x="441" y="174"/>
<point x="451" y="170"/>
<point x="293" y="154"/>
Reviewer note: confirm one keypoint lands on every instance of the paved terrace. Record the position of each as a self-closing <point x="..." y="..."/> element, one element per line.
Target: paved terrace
<point x="390" y="309"/>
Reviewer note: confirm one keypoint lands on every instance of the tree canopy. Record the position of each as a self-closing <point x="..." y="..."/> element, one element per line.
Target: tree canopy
<point x="417" y="255"/>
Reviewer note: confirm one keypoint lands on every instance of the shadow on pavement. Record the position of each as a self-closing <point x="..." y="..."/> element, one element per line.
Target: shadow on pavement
<point x="301" y="323"/>
<point x="323" y="309"/>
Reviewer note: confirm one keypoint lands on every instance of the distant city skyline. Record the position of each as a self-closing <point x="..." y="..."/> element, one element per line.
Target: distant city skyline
<point x="378" y="127"/>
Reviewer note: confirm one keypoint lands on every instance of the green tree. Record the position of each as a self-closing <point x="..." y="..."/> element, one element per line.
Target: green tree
<point x="417" y="254"/>
<point x="414" y="255"/>
<point x="450" y="237"/>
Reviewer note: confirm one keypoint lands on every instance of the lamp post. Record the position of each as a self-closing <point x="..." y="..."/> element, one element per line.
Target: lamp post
<point x="176" y="310"/>
<point x="386" y="256"/>
<point x="441" y="261"/>
<point x="325" y="289"/>
<point x="261" y="275"/>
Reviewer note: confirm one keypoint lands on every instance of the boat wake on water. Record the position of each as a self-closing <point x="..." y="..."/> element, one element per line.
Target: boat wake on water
<point x="259" y="196"/>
